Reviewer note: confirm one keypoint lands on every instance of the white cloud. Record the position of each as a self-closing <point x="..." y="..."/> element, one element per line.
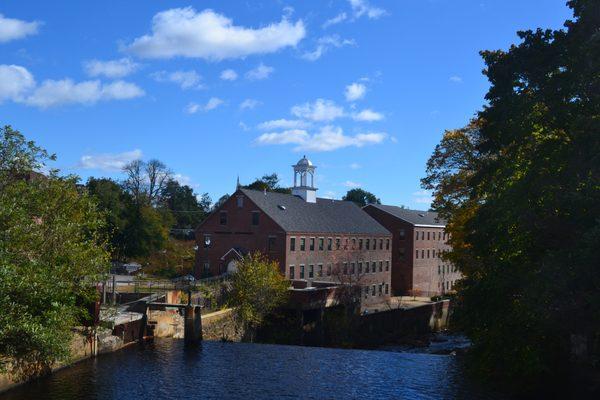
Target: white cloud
<point x="243" y="126"/>
<point x="355" y="91"/>
<point x="422" y="197"/>
<point x="108" y="161"/>
<point x="249" y="104"/>
<point x="212" y="36"/>
<point x="259" y="73"/>
<point x="320" y="110"/>
<point x="329" y="138"/>
<point x="355" y="166"/>
<point x="367" y="115"/>
<point x="350" y="184"/>
<point x="324" y="44"/>
<point x="110" y="69"/>
<point x="12" y="29"/>
<point x="364" y="8"/>
<point x="229" y="75"/>
<point x="185" y="79"/>
<point x="52" y="93"/>
<point x="15" y="82"/>
<point x="283" y="124"/>
<point x="211" y="104"/>
<point x="341" y="17"/>
<point x="293" y="136"/>
<point x="185" y="180"/>
<point x="456" y="79"/>
<point x="18" y="85"/>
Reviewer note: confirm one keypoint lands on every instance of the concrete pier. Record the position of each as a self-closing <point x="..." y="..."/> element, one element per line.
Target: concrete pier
<point x="193" y="325"/>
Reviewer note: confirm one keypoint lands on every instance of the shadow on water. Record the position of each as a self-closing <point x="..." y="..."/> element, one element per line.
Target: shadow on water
<point x="167" y="369"/>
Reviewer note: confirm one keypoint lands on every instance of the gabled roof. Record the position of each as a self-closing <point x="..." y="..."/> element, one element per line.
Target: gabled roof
<point x="294" y="214"/>
<point x="414" y="217"/>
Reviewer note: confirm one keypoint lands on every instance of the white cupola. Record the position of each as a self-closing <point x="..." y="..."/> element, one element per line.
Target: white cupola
<point x="304" y="180"/>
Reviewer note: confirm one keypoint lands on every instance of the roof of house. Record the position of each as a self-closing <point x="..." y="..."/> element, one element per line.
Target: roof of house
<point x="414" y="217"/>
<point x="294" y="214"/>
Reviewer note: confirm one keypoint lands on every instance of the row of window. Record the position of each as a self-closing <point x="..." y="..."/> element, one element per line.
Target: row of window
<point x="344" y="269"/>
<point x="447" y="285"/>
<point x="429" y="253"/>
<point x="376" y="290"/>
<point x="321" y="244"/>
<point x="255" y="217"/>
<point x="430" y="235"/>
<point x="446" y="269"/>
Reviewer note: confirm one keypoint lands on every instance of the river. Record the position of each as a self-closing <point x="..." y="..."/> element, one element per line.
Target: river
<point x="166" y="369"/>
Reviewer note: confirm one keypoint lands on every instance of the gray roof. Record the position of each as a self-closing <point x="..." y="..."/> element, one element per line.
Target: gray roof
<point x="415" y="217"/>
<point x="294" y="214"/>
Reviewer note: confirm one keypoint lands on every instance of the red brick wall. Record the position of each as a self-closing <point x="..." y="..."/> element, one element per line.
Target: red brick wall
<point x="238" y="232"/>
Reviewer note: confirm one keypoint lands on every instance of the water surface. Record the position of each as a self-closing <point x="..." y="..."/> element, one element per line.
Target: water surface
<point x="166" y="369"/>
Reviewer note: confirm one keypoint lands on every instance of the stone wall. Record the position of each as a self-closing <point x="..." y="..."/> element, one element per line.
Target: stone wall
<point x="219" y="325"/>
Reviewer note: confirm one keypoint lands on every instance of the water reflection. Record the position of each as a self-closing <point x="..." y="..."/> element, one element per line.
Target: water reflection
<point x="165" y="369"/>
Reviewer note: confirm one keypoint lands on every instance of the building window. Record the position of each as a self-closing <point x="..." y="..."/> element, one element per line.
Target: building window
<point x="353" y="243"/>
<point x="311" y="271"/>
<point x="337" y="243"/>
<point x="292" y="272"/>
<point x="416" y="253"/>
<point x="427" y="253"/>
<point x="329" y="243"/>
<point x="416" y="235"/>
<point x="401" y="252"/>
<point x="428" y="235"/>
<point x="439" y="235"/>
<point x="240" y="201"/>
<point x="422" y="253"/>
<point x="320" y="270"/>
<point x="302" y="244"/>
<point x="292" y="244"/>
<point x="422" y="235"/>
<point x="367" y="244"/>
<point x="311" y="245"/>
<point x="387" y="288"/>
<point x="360" y="244"/>
<point x="359" y="268"/>
<point x="402" y="234"/>
<point x="351" y="268"/>
<point x="328" y="269"/>
<point x="366" y="292"/>
<point x="302" y="272"/>
<point x="346" y="244"/>
<point x="255" y="217"/>
<point x="439" y="270"/>
<point x="206" y="267"/>
<point x="366" y="267"/>
<point x="345" y="269"/>
<point x="271" y="243"/>
<point x="374" y="244"/>
<point x="374" y="266"/>
<point x="387" y="244"/>
<point x="380" y="289"/>
<point x="321" y="243"/>
<point x="223" y="217"/>
<point x="380" y="266"/>
<point x="387" y="265"/>
<point x="373" y="290"/>
<point x="380" y="244"/>
<point x="207" y="241"/>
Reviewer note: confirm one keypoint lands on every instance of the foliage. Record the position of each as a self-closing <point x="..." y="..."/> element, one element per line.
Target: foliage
<point x="51" y="253"/>
<point x="145" y="181"/>
<point x="176" y="259"/>
<point x="257" y="288"/>
<point x="521" y="189"/>
<point x="361" y="197"/>
<point x="182" y="202"/>
<point x="270" y="183"/>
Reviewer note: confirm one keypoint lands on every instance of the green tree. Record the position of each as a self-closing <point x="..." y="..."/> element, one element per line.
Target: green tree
<point x="51" y="254"/>
<point x="270" y="183"/>
<point x="361" y="197"/>
<point x="183" y="203"/>
<point x="257" y="288"/>
<point x="521" y="189"/>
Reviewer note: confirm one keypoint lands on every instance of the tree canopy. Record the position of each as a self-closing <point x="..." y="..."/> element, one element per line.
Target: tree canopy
<point x="520" y="187"/>
<point x="268" y="182"/>
<point x="361" y="197"/>
<point x="52" y="251"/>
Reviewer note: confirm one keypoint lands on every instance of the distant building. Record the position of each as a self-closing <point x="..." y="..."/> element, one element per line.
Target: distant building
<point x="312" y="239"/>
<point x="419" y="239"/>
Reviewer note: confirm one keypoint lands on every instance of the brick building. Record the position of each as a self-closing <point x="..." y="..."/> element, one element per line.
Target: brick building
<point x="418" y="241"/>
<point x="312" y="239"/>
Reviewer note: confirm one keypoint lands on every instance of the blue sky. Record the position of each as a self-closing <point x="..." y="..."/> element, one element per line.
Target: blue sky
<point x="219" y="89"/>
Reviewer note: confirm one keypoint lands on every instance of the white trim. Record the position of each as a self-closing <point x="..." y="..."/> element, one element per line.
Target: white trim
<point x="427" y="226"/>
<point x="229" y="251"/>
